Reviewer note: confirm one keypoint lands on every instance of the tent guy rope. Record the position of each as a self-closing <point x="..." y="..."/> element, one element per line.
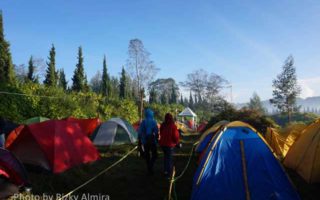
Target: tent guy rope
<point x="99" y="174"/>
<point x="174" y="179"/>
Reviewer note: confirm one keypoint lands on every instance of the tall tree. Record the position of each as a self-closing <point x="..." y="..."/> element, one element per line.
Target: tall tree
<point x="204" y="85"/>
<point x="164" y="98"/>
<point x="63" y="83"/>
<point x="196" y="82"/>
<point x="185" y="101"/>
<point x="191" y="103"/>
<point x="256" y="104"/>
<point x="166" y="87"/>
<point x="114" y="89"/>
<point x="96" y="82"/>
<point x="286" y="89"/>
<point x="7" y="74"/>
<point x="51" y="74"/>
<point x="21" y="73"/>
<point x="31" y="69"/>
<point x="79" y="77"/>
<point x="123" y="84"/>
<point x="153" y="96"/>
<point x="105" y="85"/>
<point x="174" y="95"/>
<point x="141" y="68"/>
<point x="181" y="100"/>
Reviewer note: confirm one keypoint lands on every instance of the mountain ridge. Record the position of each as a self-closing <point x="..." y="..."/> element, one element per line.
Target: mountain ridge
<point x="309" y="104"/>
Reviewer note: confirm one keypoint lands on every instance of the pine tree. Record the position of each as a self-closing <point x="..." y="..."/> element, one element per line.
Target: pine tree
<point x="181" y="100"/>
<point x="51" y="76"/>
<point x="286" y="89"/>
<point x="7" y="74"/>
<point x="106" y="87"/>
<point x="174" y="95"/>
<point x="62" y="80"/>
<point x="185" y="101"/>
<point x="256" y="104"/>
<point x="195" y="99"/>
<point x="114" y="87"/>
<point x="123" y="84"/>
<point x="153" y="96"/>
<point x="191" y="103"/>
<point x="79" y="77"/>
<point x="31" y="68"/>
<point x="164" y="98"/>
<point x="86" y="84"/>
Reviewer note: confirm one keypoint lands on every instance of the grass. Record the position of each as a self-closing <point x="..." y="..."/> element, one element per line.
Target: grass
<point x="128" y="180"/>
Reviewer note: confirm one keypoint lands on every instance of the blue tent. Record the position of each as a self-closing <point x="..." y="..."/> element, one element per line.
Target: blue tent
<point x="238" y="164"/>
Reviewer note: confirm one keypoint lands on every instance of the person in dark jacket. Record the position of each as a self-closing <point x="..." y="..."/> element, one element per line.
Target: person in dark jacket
<point x="169" y="138"/>
<point x="148" y="137"/>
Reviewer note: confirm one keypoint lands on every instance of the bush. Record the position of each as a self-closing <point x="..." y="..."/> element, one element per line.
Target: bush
<point x="305" y="118"/>
<point x="55" y="103"/>
<point x="254" y="118"/>
<point x="160" y="110"/>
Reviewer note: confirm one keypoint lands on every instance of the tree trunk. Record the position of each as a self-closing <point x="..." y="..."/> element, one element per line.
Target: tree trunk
<point x="141" y="105"/>
<point x="289" y="115"/>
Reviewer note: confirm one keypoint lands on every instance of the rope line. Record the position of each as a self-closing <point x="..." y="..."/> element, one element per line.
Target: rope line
<point x="188" y="163"/>
<point x="30" y="95"/>
<point x="99" y="174"/>
<point x="173" y="181"/>
<point x="41" y="96"/>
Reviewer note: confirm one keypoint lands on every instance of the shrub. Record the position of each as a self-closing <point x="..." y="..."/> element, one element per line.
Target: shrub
<point x="254" y="118"/>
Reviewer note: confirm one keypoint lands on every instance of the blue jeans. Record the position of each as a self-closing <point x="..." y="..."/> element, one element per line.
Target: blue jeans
<point x="168" y="163"/>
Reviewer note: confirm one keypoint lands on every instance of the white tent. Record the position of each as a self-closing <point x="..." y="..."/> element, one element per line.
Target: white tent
<point x="114" y="131"/>
<point x="187" y="112"/>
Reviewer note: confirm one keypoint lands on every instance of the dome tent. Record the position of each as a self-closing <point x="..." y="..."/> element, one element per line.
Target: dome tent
<point x="208" y="134"/>
<point x="114" y="132"/>
<point x="55" y="145"/>
<point x="13" y="175"/>
<point x="11" y="168"/>
<point x="238" y="164"/>
<point x="87" y="125"/>
<point x="34" y="120"/>
<point x="304" y="154"/>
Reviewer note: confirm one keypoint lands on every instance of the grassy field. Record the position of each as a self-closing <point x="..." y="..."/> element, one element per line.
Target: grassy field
<point x="128" y="180"/>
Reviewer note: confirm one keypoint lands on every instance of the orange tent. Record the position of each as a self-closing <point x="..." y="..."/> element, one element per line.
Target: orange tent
<point x="304" y="155"/>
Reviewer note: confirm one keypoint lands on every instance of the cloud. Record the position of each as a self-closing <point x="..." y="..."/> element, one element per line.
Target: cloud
<point x="309" y="87"/>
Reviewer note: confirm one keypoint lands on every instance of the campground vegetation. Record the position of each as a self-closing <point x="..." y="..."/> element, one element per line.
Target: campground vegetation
<point x="41" y="89"/>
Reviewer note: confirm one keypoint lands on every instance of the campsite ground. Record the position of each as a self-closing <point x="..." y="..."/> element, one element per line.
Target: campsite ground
<point x="129" y="181"/>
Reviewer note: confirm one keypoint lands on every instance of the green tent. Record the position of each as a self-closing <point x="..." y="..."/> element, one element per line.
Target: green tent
<point x="114" y="132"/>
<point x="34" y="120"/>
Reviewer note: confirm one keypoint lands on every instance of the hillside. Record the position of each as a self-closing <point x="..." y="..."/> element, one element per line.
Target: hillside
<point x="310" y="104"/>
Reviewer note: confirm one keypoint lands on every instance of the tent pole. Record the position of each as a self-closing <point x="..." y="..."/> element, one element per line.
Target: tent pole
<point x="209" y="155"/>
<point x="244" y="170"/>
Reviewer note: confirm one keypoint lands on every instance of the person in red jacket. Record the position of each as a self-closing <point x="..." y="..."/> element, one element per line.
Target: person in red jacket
<point x="169" y="138"/>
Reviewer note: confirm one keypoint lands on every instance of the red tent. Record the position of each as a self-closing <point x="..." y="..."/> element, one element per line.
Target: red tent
<point x="87" y="125"/>
<point x="136" y="125"/>
<point x="13" y="135"/>
<point x="55" y="145"/>
<point x="202" y="126"/>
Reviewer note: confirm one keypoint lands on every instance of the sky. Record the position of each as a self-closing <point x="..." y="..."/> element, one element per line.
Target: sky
<point x="245" y="42"/>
